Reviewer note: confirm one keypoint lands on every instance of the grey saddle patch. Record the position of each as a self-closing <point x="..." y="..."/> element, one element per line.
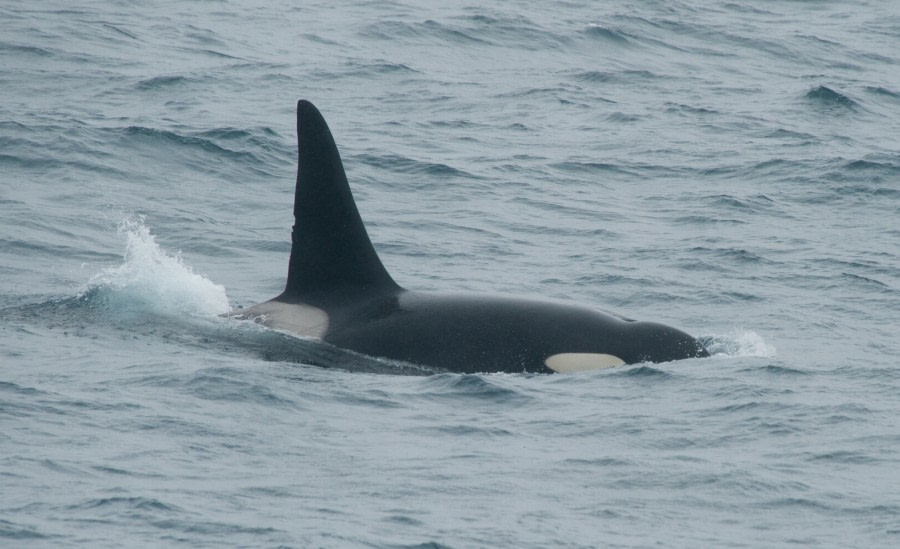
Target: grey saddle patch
<point x="295" y="319"/>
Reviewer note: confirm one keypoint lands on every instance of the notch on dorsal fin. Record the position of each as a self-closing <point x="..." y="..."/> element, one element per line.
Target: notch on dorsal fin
<point x="331" y="251"/>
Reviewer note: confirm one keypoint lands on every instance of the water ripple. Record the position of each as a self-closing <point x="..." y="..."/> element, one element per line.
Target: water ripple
<point x="827" y="97"/>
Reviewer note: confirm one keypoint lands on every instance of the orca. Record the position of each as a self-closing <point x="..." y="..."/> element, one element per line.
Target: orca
<point x="338" y="291"/>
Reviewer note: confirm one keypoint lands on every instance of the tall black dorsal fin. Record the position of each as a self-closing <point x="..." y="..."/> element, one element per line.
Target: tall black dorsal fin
<point x="331" y="250"/>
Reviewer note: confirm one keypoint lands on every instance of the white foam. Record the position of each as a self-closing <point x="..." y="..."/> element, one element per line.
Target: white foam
<point x="739" y="343"/>
<point x="151" y="278"/>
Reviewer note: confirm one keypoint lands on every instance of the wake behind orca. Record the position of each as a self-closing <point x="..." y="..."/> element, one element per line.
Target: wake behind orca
<point x="338" y="291"/>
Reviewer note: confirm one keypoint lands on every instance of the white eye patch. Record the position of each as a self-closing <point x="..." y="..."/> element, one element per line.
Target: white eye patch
<point x="579" y="362"/>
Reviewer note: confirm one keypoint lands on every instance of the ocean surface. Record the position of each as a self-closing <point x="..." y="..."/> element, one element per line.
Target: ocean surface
<point x="728" y="167"/>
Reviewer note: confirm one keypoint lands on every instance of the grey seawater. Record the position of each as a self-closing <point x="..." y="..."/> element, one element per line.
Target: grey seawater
<point x="730" y="168"/>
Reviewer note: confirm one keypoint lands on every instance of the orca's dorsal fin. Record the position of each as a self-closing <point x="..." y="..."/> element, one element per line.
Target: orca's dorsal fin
<point x="331" y="252"/>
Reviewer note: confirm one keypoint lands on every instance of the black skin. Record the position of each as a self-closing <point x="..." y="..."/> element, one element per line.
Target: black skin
<point x="474" y="333"/>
